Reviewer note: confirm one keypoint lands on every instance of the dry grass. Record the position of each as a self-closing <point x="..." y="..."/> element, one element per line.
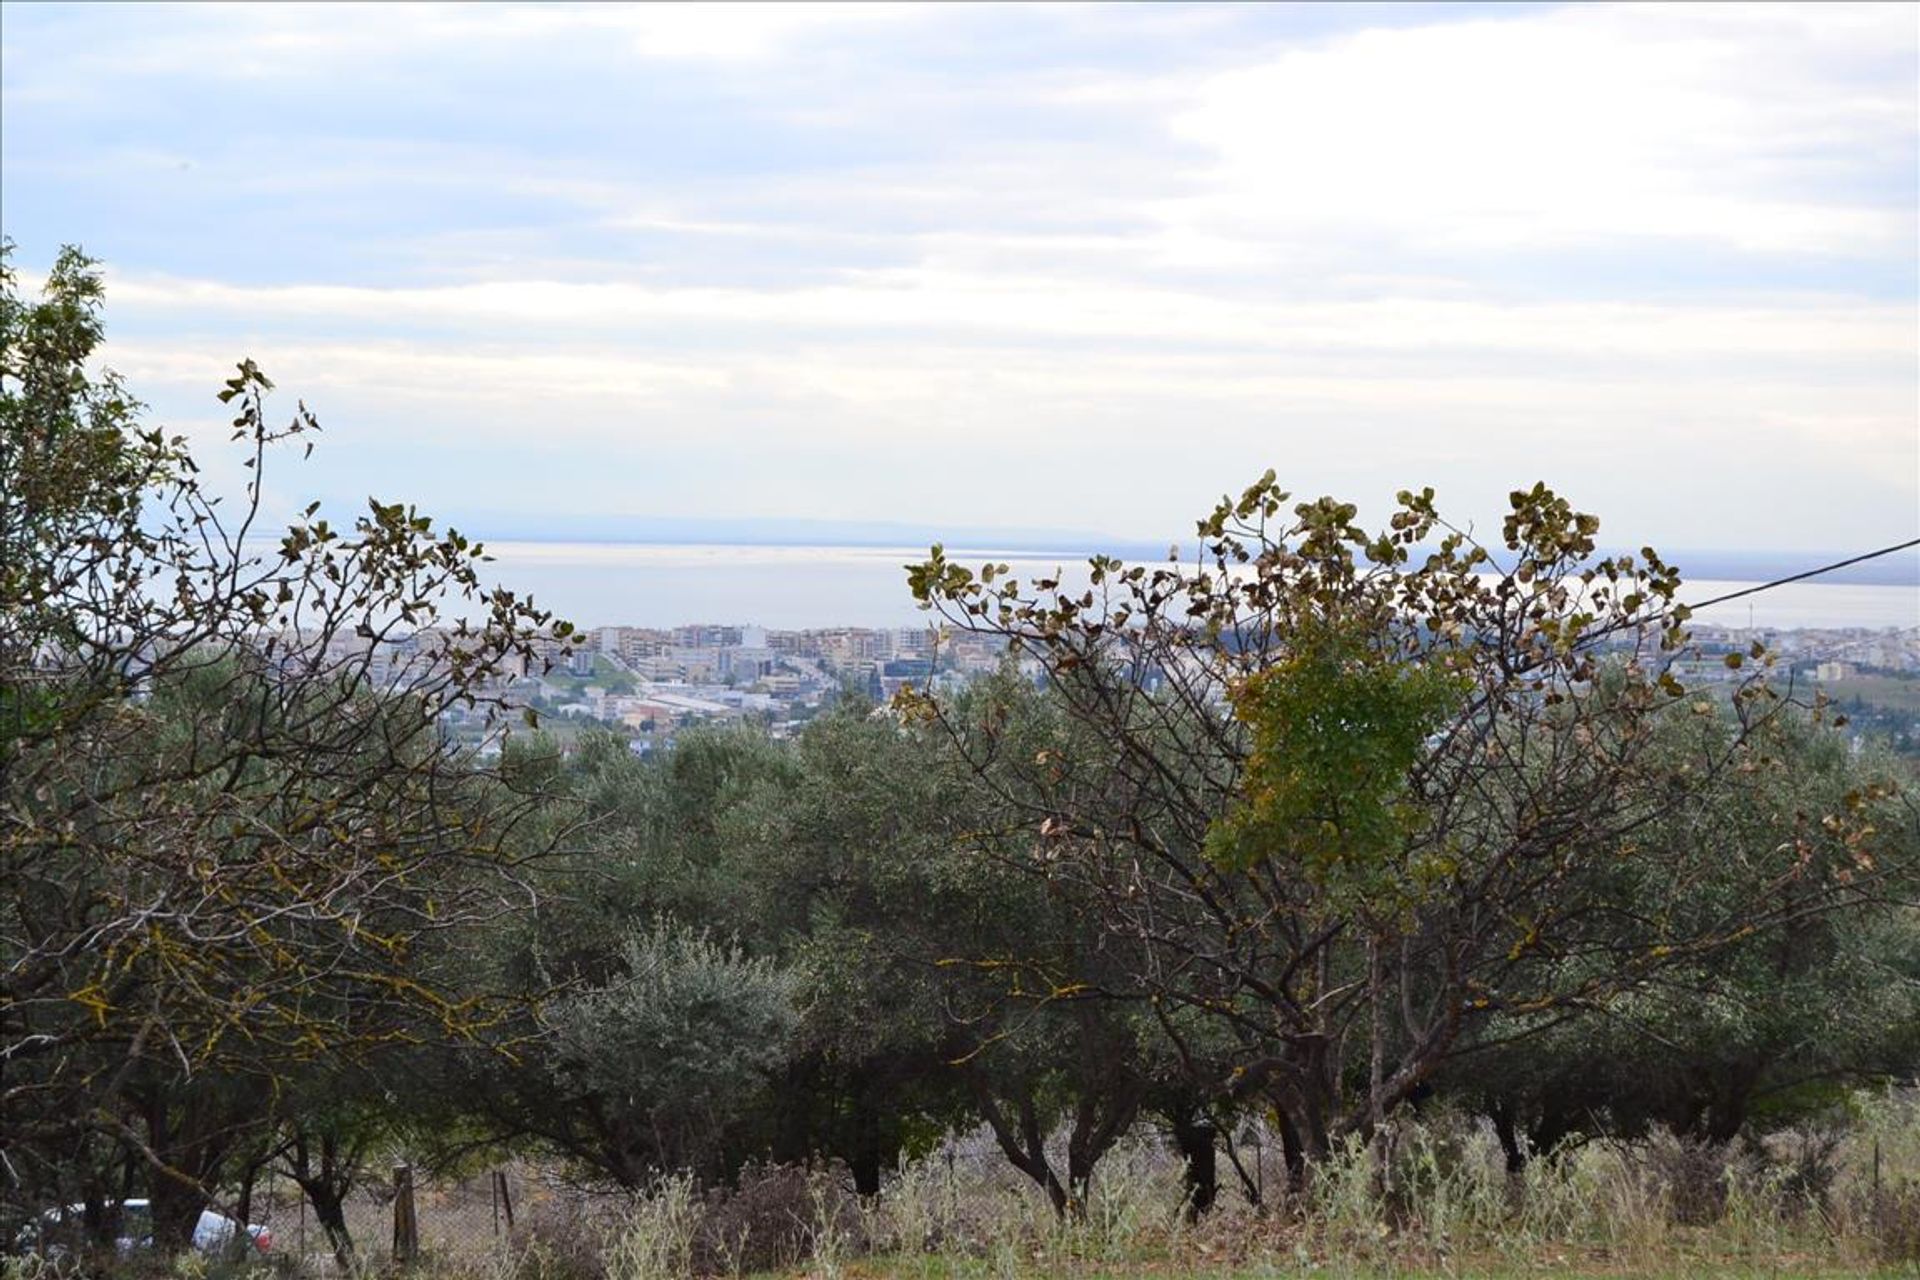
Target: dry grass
<point x="1801" y="1205"/>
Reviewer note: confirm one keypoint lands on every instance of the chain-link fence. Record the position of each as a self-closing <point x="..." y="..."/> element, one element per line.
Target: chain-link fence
<point x="400" y="1213"/>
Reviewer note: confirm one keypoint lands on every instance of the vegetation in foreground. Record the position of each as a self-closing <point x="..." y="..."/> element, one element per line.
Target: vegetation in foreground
<point x="1443" y="1203"/>
<point x="1410" y="852"/>
<point x="1803" y="1204"/>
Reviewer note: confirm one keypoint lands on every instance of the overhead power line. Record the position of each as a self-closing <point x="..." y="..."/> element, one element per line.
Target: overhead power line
<point x="1800" y="577"/>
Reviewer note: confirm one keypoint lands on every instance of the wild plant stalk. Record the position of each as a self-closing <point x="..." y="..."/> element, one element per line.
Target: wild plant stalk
<point x="655" y="1242"/>
<point x="1443" y="1203"/>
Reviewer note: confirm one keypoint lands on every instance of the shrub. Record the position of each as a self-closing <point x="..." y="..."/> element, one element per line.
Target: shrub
<point x="775" y="1216"/>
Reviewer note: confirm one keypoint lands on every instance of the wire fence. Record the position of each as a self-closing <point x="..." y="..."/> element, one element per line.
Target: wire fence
<point x="470" y="1224"/>
<point x="402" y="1214"/>
<point x="1436" y="1181"/>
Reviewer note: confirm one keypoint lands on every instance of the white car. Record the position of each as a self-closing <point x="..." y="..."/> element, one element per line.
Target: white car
<point x="211" y="1234"/>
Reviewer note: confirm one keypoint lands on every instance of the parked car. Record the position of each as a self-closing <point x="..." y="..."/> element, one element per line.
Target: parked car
<point x="50" y="1236"/>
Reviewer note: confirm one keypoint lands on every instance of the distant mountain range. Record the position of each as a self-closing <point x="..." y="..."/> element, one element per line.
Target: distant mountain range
<point x="1899" y="569"/>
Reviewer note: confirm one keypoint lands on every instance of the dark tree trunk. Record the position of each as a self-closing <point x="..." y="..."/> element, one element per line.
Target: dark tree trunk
<point x="1100" y="1118"/>
<point x="175" y="1204"/>
<point x="1023" y="1143"/>
<point x="1729" y="1091"/>
<point x="1195" y="1139"/>
<point x="1550" y="1131"/>
<point x="865" y="1158"/>
<point x="1503" y="1129"/>
<point x="190" y="1136"/>
<point x="176" y="1212"/>
<point x="97" y="1224"/>
<point x="1250" y="1181"/>
<point x="325" y="1172"/>
<point x="798" y="1134"/>
<point x="1292" y="1153"/>
<point x="329" y="1210"/>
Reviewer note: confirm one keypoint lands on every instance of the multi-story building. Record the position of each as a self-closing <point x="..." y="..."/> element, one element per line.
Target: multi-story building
<point x="744" y="664"/>
<point x="915" y="642"/>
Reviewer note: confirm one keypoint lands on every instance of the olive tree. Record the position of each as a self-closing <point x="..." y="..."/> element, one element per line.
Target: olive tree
<point x="1773" y="1026"/>
<point x="229" y="817"/>
<point x="1336" y="793"/>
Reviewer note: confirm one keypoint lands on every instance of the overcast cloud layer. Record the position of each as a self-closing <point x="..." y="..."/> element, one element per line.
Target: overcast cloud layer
<point x="1083" y="267"/>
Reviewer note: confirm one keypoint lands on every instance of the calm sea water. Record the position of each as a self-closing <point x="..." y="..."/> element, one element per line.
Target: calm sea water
<point x="646" y="585"/>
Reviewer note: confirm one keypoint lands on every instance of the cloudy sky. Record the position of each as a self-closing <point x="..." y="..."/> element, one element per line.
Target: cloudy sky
<point x="1082" y="267"/>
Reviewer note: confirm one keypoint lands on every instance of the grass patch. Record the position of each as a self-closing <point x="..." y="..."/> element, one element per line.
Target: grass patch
<point x="1676" y="1269"/>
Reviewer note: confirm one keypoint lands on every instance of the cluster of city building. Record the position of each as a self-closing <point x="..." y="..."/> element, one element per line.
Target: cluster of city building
<point x="1820" y="655"/>
<point x="650" y="683"/>
<point x="1842" y="653"/>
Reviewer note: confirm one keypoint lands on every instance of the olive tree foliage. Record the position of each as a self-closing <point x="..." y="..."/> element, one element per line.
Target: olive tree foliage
<point x="840" y="860"/>
<point x="870" y="866"/>
<point x="1335" y="793"/>
<point x="652" y="1021"/>
<point x="1773" y="1027"/>
<point x="731" y="886"/>
<point x="845" y="996"/>
<point x="862" y="866"/>
<point x="229" y="823"/>
<point x="674" y="1052"/>
<point x="1044" y="1038"/>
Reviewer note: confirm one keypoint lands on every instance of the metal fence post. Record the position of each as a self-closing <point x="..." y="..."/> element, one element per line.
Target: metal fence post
<point x="502" y="1198"/>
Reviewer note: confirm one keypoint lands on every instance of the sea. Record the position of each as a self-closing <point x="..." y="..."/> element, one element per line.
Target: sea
<point x="597" y="584"/>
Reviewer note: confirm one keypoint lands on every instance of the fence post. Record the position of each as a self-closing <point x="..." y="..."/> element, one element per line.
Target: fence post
<point x="502" y="1198"/>
<point x="406" y="1226"/>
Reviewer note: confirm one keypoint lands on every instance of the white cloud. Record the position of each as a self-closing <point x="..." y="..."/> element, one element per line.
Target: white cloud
<point x="1706" y="124"/>
<point x="307" y="40"/>
<point x="585" y="394"/>
<point x="919" y="303"/>
<point x="1436" y="250"/>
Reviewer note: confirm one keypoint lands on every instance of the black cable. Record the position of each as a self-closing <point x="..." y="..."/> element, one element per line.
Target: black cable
<point x="1811" y="573"/>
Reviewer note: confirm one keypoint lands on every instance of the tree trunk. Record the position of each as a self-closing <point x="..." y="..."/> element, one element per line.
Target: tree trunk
<point x="1503" y="1129"/>
<point x="189" y="1138"/>
<point x="865" y="1158"/>
<point x="97" y="1224"/>
<point x="1100" y="1118"/>
<point x="1023" y="1144"/>
<point x="1378" y="1140"/>
<point x="329" y="1210"/>
<point x="1292" y="1153"/>
<point x="1195" y="1140"/>
<point x="1250" y="1182"/>
<point x="326" y="1186"/>
<point x="176" y="1212"/>
<point x="406" y="1222"/>
<point x="175" y="1205"/>
<point x="1729" y="1091"/>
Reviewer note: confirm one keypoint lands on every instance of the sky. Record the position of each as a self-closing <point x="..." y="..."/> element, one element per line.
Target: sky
<point x="1083" y="267"/>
